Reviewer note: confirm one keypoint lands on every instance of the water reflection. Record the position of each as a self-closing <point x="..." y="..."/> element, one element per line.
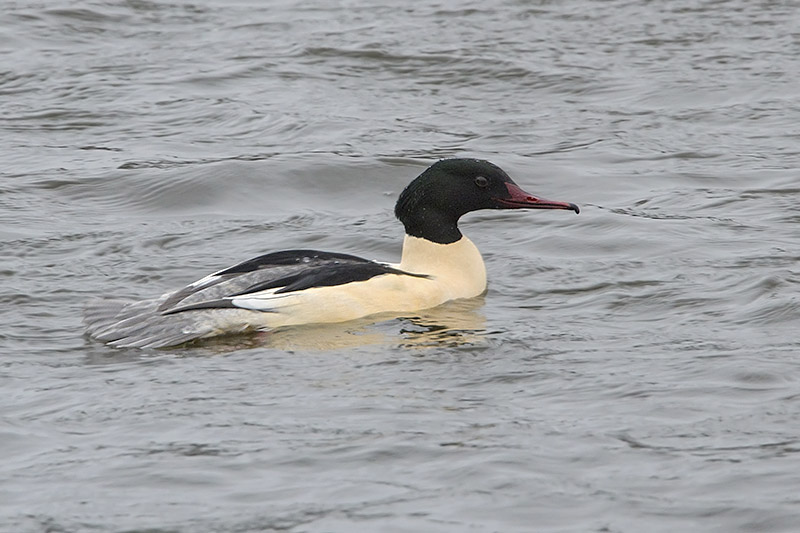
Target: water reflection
<point x="453" y="324"/>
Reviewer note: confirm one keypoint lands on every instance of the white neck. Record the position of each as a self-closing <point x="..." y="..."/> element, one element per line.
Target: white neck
<point x="458" y="265"/>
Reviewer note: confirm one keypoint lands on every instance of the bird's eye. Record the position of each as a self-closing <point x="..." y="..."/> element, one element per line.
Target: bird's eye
<point x="481" y="181"/>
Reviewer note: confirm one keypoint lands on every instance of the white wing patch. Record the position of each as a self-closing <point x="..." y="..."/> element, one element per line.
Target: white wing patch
<point x="266" y="301"/>
<point x="209" y="280"/>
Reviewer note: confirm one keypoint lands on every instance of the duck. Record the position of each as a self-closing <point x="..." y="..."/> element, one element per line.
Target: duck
<point x="299" y="287"/>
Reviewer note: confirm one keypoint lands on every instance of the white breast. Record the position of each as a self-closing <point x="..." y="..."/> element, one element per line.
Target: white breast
<point x="457" y="268"/>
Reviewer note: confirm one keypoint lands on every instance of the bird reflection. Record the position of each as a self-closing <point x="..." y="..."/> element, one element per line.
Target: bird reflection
<point x="453" y="324"/>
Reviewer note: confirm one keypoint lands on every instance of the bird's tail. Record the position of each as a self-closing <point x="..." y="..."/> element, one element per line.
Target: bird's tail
<point x="138" y="324"/>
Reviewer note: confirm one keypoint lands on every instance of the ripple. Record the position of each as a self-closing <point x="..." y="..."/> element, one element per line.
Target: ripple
<point x="630" y="368"/>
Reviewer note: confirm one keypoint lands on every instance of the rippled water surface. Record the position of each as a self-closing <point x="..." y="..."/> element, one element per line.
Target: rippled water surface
<point x="631" y="369"/>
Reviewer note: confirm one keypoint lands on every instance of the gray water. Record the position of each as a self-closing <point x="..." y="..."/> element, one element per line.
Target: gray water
<point x="631" y="369"/>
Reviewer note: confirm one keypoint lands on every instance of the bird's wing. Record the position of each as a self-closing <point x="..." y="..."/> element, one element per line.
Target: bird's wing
<point x="272" y="274"/>
<point x="260" y="284"/>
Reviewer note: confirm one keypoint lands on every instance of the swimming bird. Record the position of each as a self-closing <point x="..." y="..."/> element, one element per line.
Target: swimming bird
<point x="295" y="287"/>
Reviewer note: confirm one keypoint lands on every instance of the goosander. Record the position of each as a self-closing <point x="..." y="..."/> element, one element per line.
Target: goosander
<point x="296" y="287"/>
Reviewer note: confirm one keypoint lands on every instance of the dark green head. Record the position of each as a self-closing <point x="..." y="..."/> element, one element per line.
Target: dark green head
<point x="432" y="204"/>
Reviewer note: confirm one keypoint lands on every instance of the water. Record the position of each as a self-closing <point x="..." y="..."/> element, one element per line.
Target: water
<point x="630" y="369"/>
